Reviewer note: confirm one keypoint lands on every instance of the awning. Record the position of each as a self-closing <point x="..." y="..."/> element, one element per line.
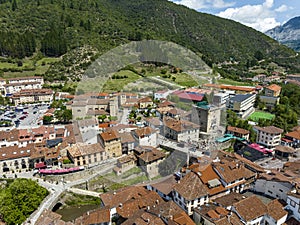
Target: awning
<point x="40" y="165"/>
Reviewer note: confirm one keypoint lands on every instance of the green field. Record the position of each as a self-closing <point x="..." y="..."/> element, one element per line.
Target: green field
<point x="261" y="115"/>
<point x="29" y="67"/>
<point x="233" y="82"/>
<point x="118" y="84"/>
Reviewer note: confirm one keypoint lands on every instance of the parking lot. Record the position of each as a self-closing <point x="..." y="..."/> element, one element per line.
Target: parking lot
<point x="23" y="117"/>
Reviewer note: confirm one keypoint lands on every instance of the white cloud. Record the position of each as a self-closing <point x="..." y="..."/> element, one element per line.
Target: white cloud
<point x="282" y="8"/>
<point x="204" y="4"/>
<point x="260" y="17"/>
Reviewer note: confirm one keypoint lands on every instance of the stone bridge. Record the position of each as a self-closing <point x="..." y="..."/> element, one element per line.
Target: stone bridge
<point x="84" y="192"/>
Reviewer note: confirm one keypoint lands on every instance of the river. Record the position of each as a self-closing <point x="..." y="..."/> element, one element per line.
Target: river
<point x="72" y="212"/>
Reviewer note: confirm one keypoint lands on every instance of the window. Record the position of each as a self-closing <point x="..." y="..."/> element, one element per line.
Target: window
<point x="292" y="203"/>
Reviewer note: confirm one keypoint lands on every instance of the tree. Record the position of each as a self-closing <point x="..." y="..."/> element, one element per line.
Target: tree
<point x="258" y="55"/>
<point x="19" y="199"/>
<point x="65" y="116"/>
<point x="14" y="5"/>
<point x="47" y="119"/>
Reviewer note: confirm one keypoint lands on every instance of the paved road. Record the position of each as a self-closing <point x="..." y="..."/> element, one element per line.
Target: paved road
<point x="124" y="116"/>
<point x="57" y="189"/>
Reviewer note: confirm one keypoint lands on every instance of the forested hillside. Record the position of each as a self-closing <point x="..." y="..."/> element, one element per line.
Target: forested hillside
<point x="56" y="26"/>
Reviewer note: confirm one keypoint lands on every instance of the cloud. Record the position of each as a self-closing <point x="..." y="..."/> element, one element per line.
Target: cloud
<point x="204" y="4"/>
<point x="282" y="8"/>
<point x="260" y="17"/>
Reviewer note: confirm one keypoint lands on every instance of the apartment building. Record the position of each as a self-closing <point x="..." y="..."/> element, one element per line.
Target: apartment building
<point x="11" y="86"/>
<point x="32" y="95"/>
<point x="242" y="105"/>
<point x="269" y="136"/>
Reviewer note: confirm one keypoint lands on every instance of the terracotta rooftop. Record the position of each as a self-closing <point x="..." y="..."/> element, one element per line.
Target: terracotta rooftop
<point x="25" y="92"/>
<point x="183" y="219"/>
<point x="109" y="135"/>
<point x="82" y="149"/>
<point x="128" y="208"/>
<point x="9" y="136"/>
<point x="286" y="149"/>
<point x="114" y="198"/>
<point x="144" y="131"/>
<point x="229" y="200"/>
<point x="14" y="152"/>
<point x="238" y="130"/>
<point x="144" y="218"/>
<point x="180" y="125"/>
<point x="250" y="208"/>
<point x="48" y="217"/>
<point x="276" y="210"/>
<point x="274" y="87"/>
<point x="126" y="137"/>
<point x="126" y="158"/>
<point x="231" y="87"/>
<point x="145" y="100"/>
<point x="232" y="170"/>
<point x="165" y="186"/>
<point x="294" y="134"/>
<point x="151" y="154"/>
<point x="269" y="129"/>
<point x="191" y="187"/>
<point x="98" y="216"/>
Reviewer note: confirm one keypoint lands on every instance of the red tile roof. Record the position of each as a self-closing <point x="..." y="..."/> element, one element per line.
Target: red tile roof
<point x="251" y="208"/>
<point x="238" y="130"/>
<point x="191" y="187"/>
<point x="274" y="87"/>
<point x="269" y="129"/>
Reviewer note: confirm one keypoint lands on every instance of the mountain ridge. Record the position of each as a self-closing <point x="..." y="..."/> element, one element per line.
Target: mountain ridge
<point x="105" y="24"/>
<point x="287" y="34"/>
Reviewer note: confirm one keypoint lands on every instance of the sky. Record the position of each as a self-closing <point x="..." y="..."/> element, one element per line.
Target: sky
<point x="261" y="15"/>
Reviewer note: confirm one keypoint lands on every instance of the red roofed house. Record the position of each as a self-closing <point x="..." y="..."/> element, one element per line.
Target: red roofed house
<point x="144" y="103"/>
<point x="292" y="138"/>
<point x="111" y="142"/>
<point x="146" y="136"/>
<point x="180" y="130"/>
<point x="238" y="132"/>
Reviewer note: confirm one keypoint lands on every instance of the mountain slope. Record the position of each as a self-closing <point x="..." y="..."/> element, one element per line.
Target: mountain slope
<point x="108" y="23"/>
<point x="288" y="34"/>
